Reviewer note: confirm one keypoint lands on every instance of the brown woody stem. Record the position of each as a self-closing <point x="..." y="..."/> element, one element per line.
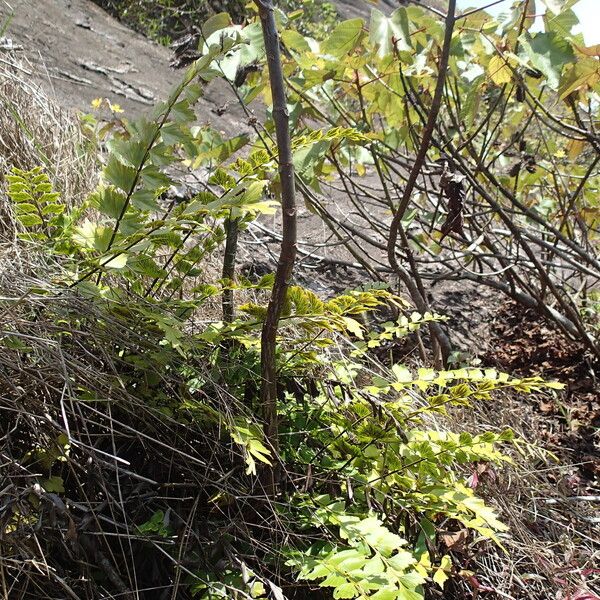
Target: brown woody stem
<point x="287" y="256"/>
<point x="421" y="302"/>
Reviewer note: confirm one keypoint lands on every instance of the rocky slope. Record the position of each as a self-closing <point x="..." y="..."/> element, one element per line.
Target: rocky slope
<point x="79" y="52"/>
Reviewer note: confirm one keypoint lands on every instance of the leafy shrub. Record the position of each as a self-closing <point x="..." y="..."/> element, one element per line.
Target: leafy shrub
<point x="370" y="474"/>
<point x="503" y="132"/>
<point x="36" y="205"/>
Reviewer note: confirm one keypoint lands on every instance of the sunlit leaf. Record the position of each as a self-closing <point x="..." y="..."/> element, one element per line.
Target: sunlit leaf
<point x="344" y="38"/>
<point x="384" y="31"/>
<point x="549" y="53"/>
<point x="499" y="71"/>
<point x="119" y="261"/>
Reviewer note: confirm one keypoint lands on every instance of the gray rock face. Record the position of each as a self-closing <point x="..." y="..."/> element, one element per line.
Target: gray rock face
<point x="362" y="8"/>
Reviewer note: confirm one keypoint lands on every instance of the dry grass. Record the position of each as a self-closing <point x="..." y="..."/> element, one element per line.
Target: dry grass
<point x="128" y="458"/>
<point x="35" y="131"/>
<point x="553" y="546"/>
<point x="119" y="458"/>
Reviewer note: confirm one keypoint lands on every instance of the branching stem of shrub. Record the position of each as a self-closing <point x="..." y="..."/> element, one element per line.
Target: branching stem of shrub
<point x="438" y="334"/>
<point x="232" y="232"/>
<point x="287" y="256"/>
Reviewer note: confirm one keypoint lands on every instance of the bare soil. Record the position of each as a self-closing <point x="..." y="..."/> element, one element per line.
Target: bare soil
<point x="526" y="344"/>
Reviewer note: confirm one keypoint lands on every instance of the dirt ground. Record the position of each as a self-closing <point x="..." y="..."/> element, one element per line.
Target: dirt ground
<point x="83" y="53"/>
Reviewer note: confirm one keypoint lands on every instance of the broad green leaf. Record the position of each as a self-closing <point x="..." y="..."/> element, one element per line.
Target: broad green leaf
<point x="407" y="591"/>
<point x="321" y="570"/>
<point x="108" y="200"/>
<point x="166" y="237"/>
<point x="482" y="511"/>
<point x="54" y="484"/>
<point x="161" y="154"/>
<point x="562" y="23"/>
<point x="346" y="590"/>
<point x="313" y="77"/>
<point x="49" y="197"/>
<point x="401" y="561"/>
<point x="383" y="30"/>
<point x="583" y="74"/>
<point x="119" y="175"/>
<point x="215" y="23"/>
<point x="253" y="193"/>
<point x="257" y="589"/>
<point x="131" y="153"/>
<point x="549" y="53"/>
<point x="155" y="179"/>
<point x="354" y="327"/>
<point x="333" y="580"/>
<point x="348" y="560"/>
<point x="308" y="159"/>
<point x="378" y="536"/>
<point x="144" y="129"/>
<point x="344" y="38"/>
<point x="131" y="223"/>
<point x="145" y="266"/>
<point x="490" y="26"/>
<point x="402" y="373"/>
<point x="118" y="261"/>
<point x="144" y="199"/>
<point x="250" y="436"/>
<point x="222" y="151"/>
<point x="259" y="450"/>
<point x="222" y="178"/>
<point x="182" y="112"/>
<point x="374" y="566"/>
<point x="295" y="42"/>
<point x="174" y="133"/>
<point x="92" y="235"/>
<point x="172" y="334"/>
<point x="193" y="92"/>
